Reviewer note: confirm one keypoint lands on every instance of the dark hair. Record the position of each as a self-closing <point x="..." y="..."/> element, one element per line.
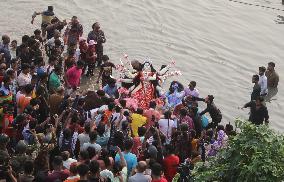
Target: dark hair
<point x="87" y="127"/>
<point x="193" y="83"/>
<point x="25" y="38"/>
<point x="179" y="88"/>
<point x="94" y="24"/>
<point x="256" y="77"/>
<point x="37" y="31"/>
<point x="211" y="97"/>
<point x="139" y="111"/>
<point x="25" y="66"/>
<point x="57" y="68"/>
<point x="128" y="144"/>
<point x="34" y="102"/>
<point x="83" y="169"/>
<point x="271" y="64"/>
<point x="117" y="109"/>
<point x="122" y="103"/>
<point x="29" y="88"/>
<point x="67" y="133"/>
<point x="168" y="114"/>
<point x="64" y="155"/>
<point x="57" y="42"/>
<point x="94" y="167"/>
<point x="92" y="152"/>
<point x="105" y="58"/>
<point x="156" y="169"/>
<point x="101" y="93"/>
<point x="153" y="104"/>
<point x="84" y="154"/>
<point x="80" y="63"/>
<point x="57" y="161"/>
<point x="28" y="167"/>
<point x="183" y="112"/>
<point x="141" y="131"/>
<point x="50" y="8"/>
<point x="93" y="135"/>
<point x="10" y="72"/>
<point x="262" y="68"/>
<point x="101" y="129"/>
<point x="111" y="106"/>
<point x="6" y="79"/>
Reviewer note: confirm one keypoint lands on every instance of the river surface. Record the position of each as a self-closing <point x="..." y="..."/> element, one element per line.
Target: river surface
<point x="218" y="43"/>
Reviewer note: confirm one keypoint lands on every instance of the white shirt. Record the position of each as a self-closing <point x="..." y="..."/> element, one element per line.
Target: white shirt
<point x="24" y="79"/>
<point x="96" y="146"/>
<point x="51" y="41"/>
<point x="166" y="126"/>
<point x="83" y="138"/>
<point x="263" y="84"/>
<point x="68" y="162"/>
<point x="194" y="92"/>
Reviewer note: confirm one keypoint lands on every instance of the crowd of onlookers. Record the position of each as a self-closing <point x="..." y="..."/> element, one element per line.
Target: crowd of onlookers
<point x="53" y="131"/>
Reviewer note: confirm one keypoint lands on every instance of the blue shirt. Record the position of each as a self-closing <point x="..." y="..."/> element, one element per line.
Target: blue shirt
<point x="5" y="49"/>
<point x="111" y="91"/>
<point x="131" y="160"/>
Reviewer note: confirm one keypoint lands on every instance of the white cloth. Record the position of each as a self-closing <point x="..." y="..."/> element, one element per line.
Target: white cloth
<point x="68" y="163"/>
<point x="83" y="138"/>
<point x="51" y="41"/>
<point x="263" y="84"/>
<point x="166" y="126"/>
<point x="194" y="92"/>
<point x="24" y="79"/>
<point x="96" y="146"/>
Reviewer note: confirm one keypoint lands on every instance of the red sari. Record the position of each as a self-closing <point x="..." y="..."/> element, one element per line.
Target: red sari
<point x="145" y="94"/>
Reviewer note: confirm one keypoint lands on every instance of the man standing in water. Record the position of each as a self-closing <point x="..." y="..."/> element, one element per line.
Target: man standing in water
<point x="214" y="112"/>
<point x="272" y="80"/>
<point x="46" y="16"/>
<point x="258" y="112"/>
<point x="262" y="81"/>
<point x="73" y="31"/>
<point x="97" y="35"/>
<point x="256" y="88"/>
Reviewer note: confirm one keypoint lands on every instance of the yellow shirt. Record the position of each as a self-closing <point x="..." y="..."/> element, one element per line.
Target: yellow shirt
<point x="137" y="121"/>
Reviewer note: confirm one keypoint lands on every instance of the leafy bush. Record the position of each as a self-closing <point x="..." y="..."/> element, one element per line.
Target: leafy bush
<point x="254" y="154"/>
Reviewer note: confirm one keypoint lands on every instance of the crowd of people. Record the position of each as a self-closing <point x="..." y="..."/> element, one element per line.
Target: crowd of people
<point x="129" y="130"/>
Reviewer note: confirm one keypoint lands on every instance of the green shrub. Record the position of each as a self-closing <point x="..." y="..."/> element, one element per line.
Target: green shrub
<point x="256" y="153"/>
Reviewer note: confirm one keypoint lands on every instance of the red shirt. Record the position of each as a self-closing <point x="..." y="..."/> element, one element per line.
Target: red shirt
<point x="170" y="164"/>
<point x="73" y="76"/>
<point x="62" y="175"/>
<point x="160" y="180"/>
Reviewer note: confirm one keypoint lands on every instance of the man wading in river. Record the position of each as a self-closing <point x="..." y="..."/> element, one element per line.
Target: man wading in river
<point x="46" y="17"/>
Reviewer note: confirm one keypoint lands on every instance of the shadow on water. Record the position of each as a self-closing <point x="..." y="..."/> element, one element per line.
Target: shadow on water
<point x="280" y="19"/>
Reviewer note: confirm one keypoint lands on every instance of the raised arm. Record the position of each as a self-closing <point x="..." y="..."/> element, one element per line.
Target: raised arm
<point x="34" y="15"/>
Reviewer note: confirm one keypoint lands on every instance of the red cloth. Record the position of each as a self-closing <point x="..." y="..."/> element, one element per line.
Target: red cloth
<point x="73" y="76"/>
<point x="160" y="180"/>
<point x="55" y="175"/>
<point x="145" y="94"/>
<point x="170" y="164"/>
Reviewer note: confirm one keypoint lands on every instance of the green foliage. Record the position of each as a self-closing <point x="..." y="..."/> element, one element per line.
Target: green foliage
<point x="254" y="154"/>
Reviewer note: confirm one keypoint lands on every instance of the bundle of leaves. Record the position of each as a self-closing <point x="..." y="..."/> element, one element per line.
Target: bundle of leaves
<point x="256" y="153"/>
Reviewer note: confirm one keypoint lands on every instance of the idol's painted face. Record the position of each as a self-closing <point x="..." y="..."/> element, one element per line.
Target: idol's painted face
<point x="147" y="66"/>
